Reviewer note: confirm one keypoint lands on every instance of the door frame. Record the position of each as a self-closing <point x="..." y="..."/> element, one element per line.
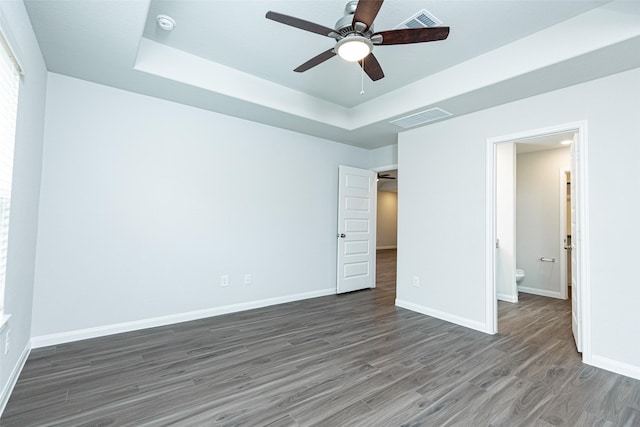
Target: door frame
<point x="378" y="169"/>
<point x="581" y="240"/>
<point x="385" y="168"/>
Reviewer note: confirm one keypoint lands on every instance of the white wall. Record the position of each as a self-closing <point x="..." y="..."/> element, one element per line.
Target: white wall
<point x="441" y="228"/>
<point x="538" y="219"/>
<point x="25" y="195"/>
<point x="146" y="203"/>
<point x="387" y="220"/>
<point x="505" y="222"/>
<point x="383" y="156"/>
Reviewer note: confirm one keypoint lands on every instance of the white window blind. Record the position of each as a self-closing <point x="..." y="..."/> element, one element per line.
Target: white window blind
<point x="9" y="84"/>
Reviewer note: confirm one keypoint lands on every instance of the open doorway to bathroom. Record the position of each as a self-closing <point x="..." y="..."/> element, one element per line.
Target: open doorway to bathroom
<point x="540" y="214"/>
<point x="531" y="216"/>
<point x="527" y="228"/>
<point x="387" y="232"/>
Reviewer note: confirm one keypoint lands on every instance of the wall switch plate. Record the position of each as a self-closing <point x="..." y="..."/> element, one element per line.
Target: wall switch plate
<point x="6" y="341"/>
<point x="247" y="279"/>
<point x="224" y="280"/>
<point x="416" y="282"/>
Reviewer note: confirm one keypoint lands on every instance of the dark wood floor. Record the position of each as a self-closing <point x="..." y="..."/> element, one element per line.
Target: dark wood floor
<point x="352" y="359"/>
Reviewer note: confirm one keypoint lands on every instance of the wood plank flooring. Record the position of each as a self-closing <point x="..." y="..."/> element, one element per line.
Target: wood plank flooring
<point x="348" y="360"/>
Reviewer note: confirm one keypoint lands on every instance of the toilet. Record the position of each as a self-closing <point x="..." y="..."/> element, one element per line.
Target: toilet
<point x="519" y="275"/>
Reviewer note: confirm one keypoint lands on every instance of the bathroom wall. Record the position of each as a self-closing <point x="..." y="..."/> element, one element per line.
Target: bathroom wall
<point x="538" y="198"/>
<point x="387" y="221"/>
<point x="505" y="224"/>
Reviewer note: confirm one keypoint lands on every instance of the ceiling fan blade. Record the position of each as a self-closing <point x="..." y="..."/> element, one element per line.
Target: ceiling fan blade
<point x="366" y="12"/>
<point x="372" y="67"/>
<point x="316" y="60"/>
<point x="412" y="35"/>
<point x="300" y="23"/>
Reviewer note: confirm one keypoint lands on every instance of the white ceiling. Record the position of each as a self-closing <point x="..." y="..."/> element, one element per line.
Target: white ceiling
<point x="543" y="143"/>
<point x="271" y="50"/>
<point x="225" y="56"/>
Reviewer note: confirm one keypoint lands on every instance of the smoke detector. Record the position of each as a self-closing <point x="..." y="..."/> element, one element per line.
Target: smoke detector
<point x="165" y="22"/>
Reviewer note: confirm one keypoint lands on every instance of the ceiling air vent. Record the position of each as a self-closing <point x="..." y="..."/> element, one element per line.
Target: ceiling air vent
<point x="421" y="118"/>
<point x="422" y="19"/>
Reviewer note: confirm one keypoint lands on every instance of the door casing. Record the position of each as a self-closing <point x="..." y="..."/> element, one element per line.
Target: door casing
<point x="581" y="240"/>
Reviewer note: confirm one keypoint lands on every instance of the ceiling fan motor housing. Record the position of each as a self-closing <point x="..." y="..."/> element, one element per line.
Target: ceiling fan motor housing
<point x="351" y="7"/>
<point x="344" y="26"/>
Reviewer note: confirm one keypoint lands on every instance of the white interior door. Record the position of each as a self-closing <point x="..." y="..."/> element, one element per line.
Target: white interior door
<point x="357" y="198"/>
<point x="575" y="238"/>
<point x="565" y="216"/>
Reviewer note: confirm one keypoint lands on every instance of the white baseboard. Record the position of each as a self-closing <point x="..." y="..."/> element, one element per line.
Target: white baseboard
<point x="541" y="292"/>
<point x="507" y="297"/>
<point x="615" y="366"/>
<point x="462" y="321"/>
<point x="13" y="377"/>
<point x="100" y="331"/>
<point x="386" y="247"/>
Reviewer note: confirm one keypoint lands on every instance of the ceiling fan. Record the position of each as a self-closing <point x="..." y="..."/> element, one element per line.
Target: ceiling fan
<point x="355" y="37"/>
<point x="386" y="176"/>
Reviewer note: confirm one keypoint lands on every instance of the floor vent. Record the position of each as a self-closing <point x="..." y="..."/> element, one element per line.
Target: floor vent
<point x="422" y="19"/>
<point x="421" y="118"/>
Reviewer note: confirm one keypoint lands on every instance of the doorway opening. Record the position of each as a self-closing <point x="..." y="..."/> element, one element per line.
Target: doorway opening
<point x="541" y="263"/>
<point x="537" y="215"/>
<point x="387" y="231"/>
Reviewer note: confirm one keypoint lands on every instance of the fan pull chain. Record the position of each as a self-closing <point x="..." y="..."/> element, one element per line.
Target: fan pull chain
<point x="362" y="78"/>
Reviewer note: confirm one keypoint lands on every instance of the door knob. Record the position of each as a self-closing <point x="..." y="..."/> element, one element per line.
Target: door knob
<point x="342" y="235"/>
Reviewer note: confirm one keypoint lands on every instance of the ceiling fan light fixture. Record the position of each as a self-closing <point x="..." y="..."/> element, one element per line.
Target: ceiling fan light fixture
<point x="354" y="48"/>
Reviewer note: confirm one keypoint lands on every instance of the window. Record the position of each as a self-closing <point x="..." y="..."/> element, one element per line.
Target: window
<point x="9" y="84"/>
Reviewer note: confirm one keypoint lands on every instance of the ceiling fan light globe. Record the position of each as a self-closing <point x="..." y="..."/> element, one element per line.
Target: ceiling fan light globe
<point x="354" y="48"/>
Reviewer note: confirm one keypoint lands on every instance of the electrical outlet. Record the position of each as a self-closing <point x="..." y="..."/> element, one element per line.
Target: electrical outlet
<point x="6" y="342"/>
<point x="247" y="279"/>
<point x="224" y="280"/>
<point x="416" y="282"/>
